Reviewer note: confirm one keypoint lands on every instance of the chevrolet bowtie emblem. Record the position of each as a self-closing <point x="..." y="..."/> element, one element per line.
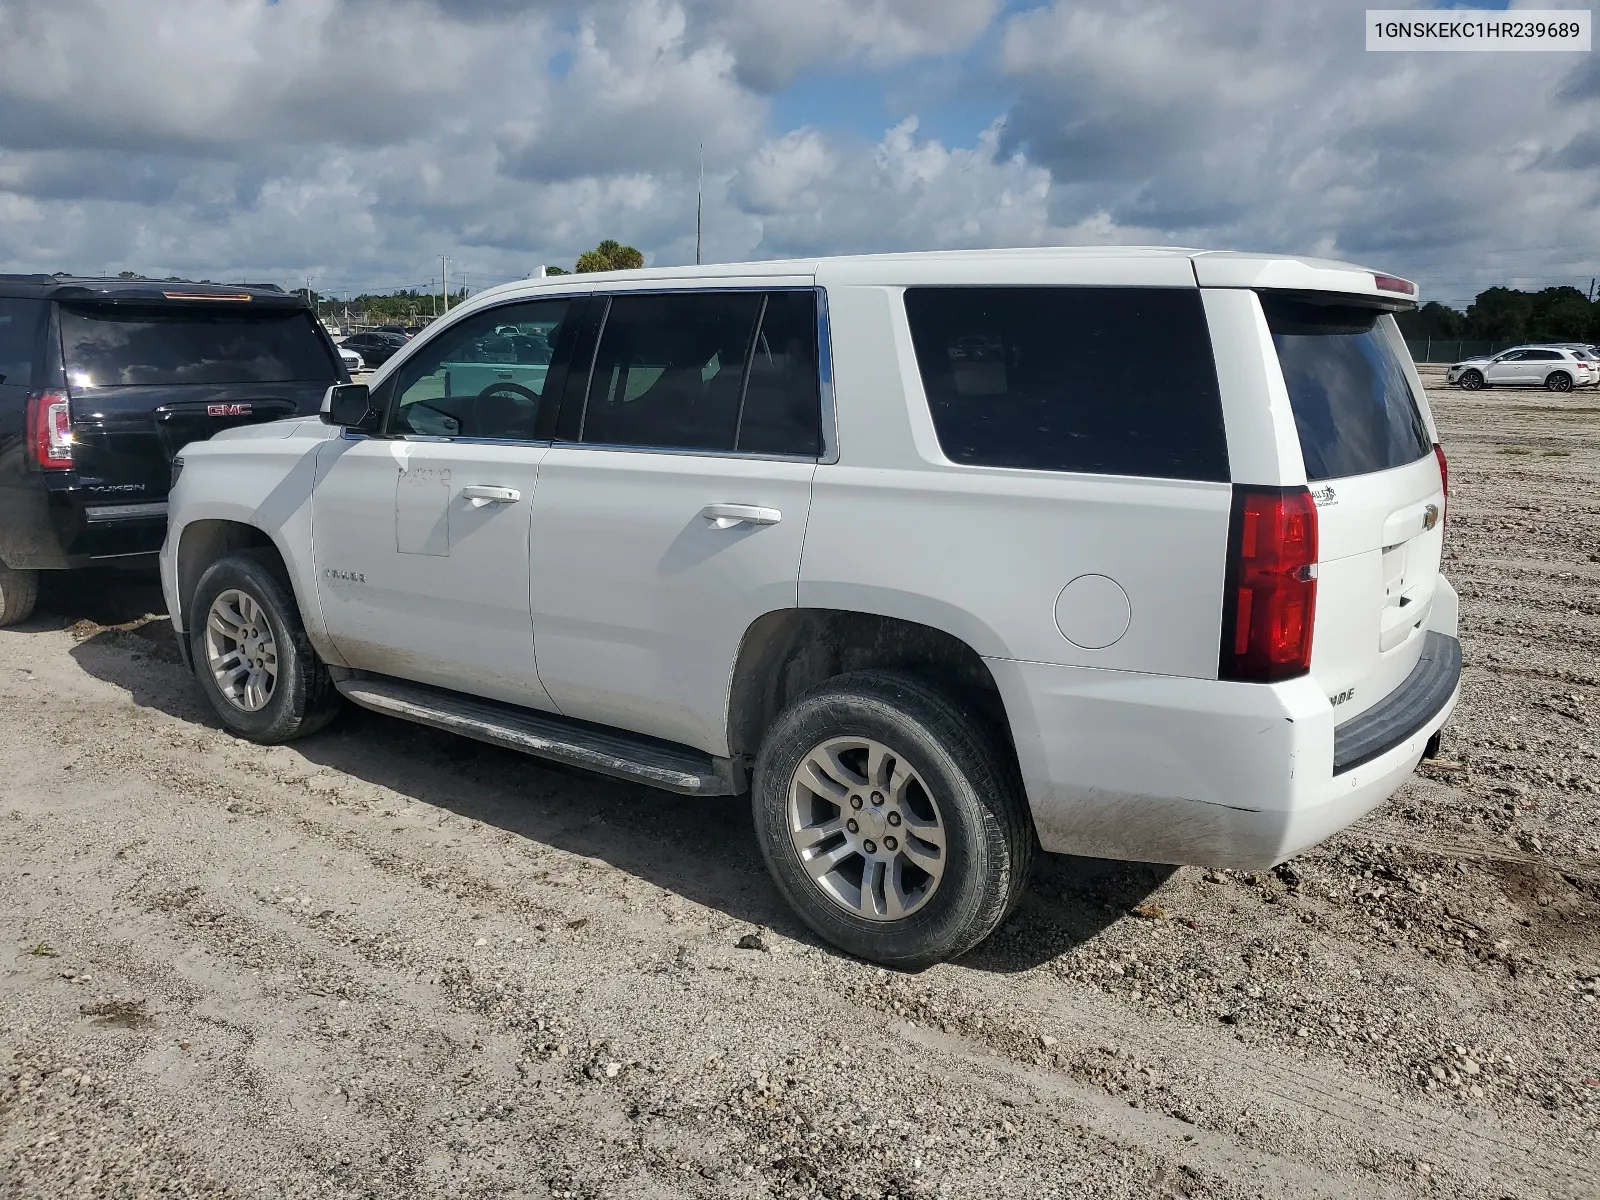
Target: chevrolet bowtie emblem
<point x="1430" y="517"/>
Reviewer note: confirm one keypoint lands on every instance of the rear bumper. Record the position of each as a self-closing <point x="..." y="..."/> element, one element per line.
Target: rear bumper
<point x="51" y="527"/>
<point x="1207" y="772"/>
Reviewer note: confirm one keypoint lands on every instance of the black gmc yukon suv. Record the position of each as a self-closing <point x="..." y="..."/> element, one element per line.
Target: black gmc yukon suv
<point x="103" y="381"/>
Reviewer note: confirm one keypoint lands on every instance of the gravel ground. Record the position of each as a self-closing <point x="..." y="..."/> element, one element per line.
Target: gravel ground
<point x="388" y="962"/>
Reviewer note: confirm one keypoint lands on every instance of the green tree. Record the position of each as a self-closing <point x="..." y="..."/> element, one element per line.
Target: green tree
<point x="1432" y="320"/>
<point x="557" y="271"/>
<point x="1560" y="314"/>
<point x="610" y="255"/>
<point x="1500" y="314"/>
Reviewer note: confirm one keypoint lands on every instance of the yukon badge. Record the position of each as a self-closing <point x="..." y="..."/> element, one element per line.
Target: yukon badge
<point x="1324" y="496"/>
<point x="227" y="410"/>
<point x="1430" y="517"/>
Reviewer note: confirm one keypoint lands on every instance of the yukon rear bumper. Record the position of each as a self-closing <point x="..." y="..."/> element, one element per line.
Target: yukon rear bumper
<point x="1207" y="772"/>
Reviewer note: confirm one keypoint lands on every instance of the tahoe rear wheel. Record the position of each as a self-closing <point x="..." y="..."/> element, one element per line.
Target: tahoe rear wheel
<point x="19" y="592"/>
<point x="251" y="653"/>
<point x="891" y="819"/>
<point x="1559" y="381"/>
<point x="1471" y="380"/>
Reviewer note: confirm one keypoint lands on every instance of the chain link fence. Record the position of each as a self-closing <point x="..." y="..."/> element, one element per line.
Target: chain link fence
<point x="1451" y="350"/>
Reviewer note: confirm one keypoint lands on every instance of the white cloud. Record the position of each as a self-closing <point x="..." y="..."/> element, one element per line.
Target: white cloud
<point x="773" y="40"/>
<point x="638" y="97"/>
<point x="811" y="196"/>
<point x="1269" y="126"/>
<point x="356" y="140"/>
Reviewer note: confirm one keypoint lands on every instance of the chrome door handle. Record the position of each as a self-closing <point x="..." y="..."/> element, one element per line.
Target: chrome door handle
<point x="726" y="516"/>
<point x="481" y="494"/>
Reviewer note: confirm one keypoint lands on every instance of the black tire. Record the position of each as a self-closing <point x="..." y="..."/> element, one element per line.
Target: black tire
<point x="989" y="838"/>
<point x="303" y="699"/>
<point x="1558" y="381"/>
<point x="1472" y="380"/>
<point x="19" y="592"/>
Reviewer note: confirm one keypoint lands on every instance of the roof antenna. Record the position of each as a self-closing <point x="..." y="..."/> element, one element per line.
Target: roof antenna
<point x="699" y="203"/>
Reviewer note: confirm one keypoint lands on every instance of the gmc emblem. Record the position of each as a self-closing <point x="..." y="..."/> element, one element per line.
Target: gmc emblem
<point x="227" y="410"/>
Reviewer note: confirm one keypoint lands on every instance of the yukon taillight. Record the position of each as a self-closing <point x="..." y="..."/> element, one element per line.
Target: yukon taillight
<point x="50" y="430"/>
<point x="1270" y="605"/>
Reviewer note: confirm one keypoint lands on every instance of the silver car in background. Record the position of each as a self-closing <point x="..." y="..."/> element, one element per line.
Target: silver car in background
<point x="1558" y="368"/>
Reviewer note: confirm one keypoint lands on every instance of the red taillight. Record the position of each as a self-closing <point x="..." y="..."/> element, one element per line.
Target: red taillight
<point x="1444" y="483"/>
<point x="1271" y="602"/>
<point x="50" y="430"/>
<point x="1393" y="283"/>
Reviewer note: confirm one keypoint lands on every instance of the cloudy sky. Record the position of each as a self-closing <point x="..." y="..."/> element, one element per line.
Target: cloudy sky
<point x="355" y="141"/>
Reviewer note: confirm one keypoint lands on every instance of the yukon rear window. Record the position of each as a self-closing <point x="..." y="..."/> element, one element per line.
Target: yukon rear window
<point x="115" y="346"/>
<point x="1108" y="380"/>
<point x="1352" y="402"/>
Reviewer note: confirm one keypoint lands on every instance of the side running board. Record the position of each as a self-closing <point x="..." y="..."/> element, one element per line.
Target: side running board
<point x="578" y="744"/>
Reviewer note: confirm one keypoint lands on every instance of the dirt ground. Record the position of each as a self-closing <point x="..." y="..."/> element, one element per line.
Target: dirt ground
<point x="388" y="962"/>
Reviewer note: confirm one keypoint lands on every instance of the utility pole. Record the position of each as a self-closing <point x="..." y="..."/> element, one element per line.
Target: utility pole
<point x="1591" y="291"/>
<point x="699" y="204"/>
<point x="444" y="279"/>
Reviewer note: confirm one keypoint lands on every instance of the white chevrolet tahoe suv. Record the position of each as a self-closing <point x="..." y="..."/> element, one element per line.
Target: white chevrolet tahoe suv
<point x="916" y="550"/>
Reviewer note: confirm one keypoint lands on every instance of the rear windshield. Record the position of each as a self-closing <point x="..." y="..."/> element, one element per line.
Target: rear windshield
<point x="1352" y="402"/>
<point x="128" y="345"/>
<point x="1108" y="380"/>
<point x="19" y="331"/>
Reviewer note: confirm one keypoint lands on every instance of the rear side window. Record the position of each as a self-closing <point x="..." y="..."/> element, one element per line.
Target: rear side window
<point x="669" y="371"/>
<point x="782" y="408"/>
<point x="19" y="334"/>
<point x="1114" y="381"/>
<point x="116" y="346"/>
<point x="1352" y="402"/>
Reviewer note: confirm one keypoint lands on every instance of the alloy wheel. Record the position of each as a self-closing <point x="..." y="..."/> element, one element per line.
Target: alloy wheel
<point x="241" y="650"/>
<point x="866" y="828"/>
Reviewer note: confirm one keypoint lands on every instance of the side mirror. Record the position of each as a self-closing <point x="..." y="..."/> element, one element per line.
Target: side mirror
<point x="350" y="405"/>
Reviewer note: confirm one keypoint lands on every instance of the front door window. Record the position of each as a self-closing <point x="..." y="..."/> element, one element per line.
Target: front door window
<point x="484" y="377"/>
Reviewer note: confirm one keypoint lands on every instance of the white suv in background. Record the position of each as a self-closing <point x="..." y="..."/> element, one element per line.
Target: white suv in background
<point x="1558" y="368"/>
<point x="911" y="548"/>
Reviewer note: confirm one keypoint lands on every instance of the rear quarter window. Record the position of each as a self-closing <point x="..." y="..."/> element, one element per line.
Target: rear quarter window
<point x="1353" y="405"/>
<point x="117" y="346"/>
<point x="19" y="335"/>
<point x="1114" y="381"/>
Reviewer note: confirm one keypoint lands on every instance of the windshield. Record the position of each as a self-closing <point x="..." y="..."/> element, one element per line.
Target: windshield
<point x="1353" y="405"/>
<point x="121" y="346"/>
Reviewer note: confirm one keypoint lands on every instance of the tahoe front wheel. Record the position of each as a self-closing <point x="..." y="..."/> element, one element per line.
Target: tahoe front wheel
<point x="891" y="819"/>
<point x="251" y="653"/>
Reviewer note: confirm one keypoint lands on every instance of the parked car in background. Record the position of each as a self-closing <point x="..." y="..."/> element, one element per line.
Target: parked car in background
<point x="1583" y="350"/>
<point x="102" y="381"/>
<point x="352" y="360"/>
<point x="405" y="331"/>
<point x="1188" y="626"/>
<point x="374" y="346"/>
<point x="1557" y="368"/>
